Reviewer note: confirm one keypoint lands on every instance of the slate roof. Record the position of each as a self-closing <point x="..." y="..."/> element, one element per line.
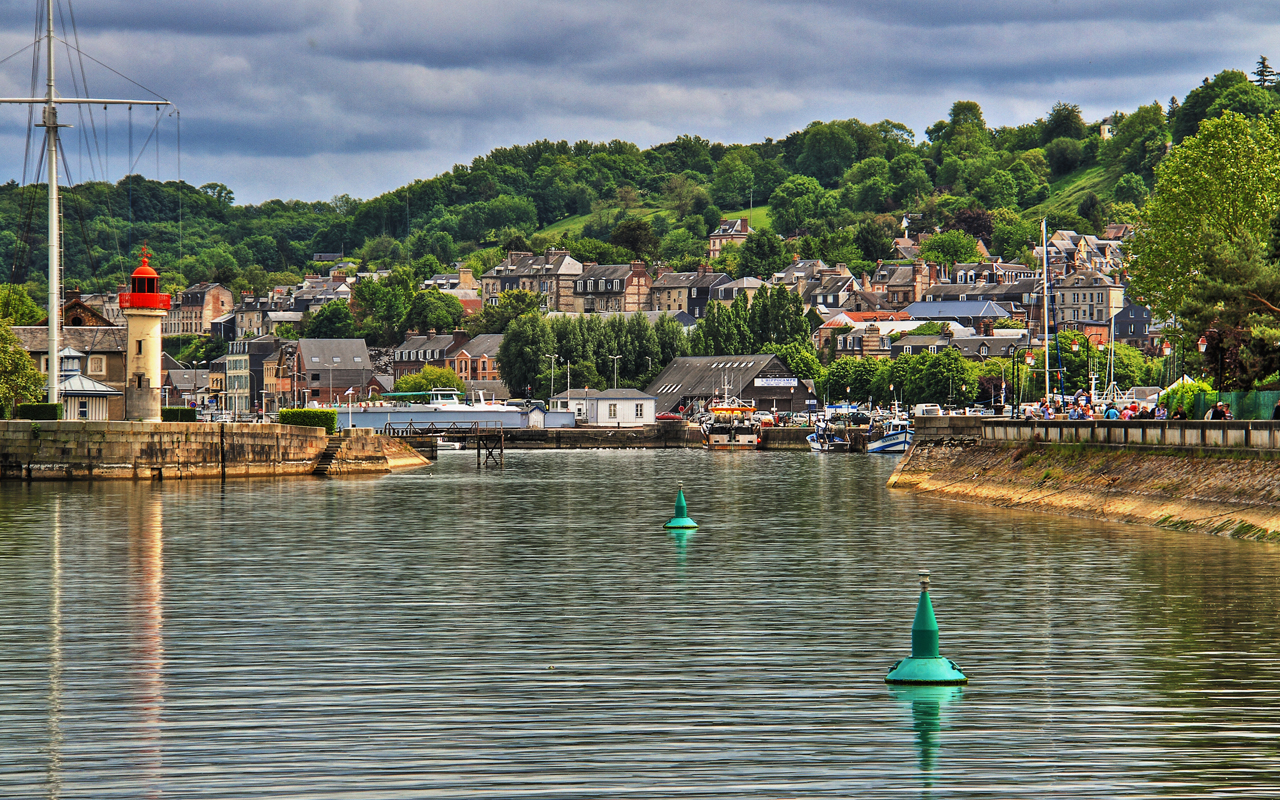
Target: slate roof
<point x="704" y="376"/>
<point x="623" y="394"/>
<point x="483" y="346"/>
<point x="951" y="309"/>
<point x="685" y="280"/>
<point x="86" y="339"/>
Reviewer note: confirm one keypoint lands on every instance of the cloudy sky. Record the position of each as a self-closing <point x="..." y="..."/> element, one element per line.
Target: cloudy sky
<point x="312" y="98"/>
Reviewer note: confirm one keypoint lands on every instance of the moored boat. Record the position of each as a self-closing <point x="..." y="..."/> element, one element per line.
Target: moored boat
<point x="730" y="426"/>
<point x="826" y="443"/>
<point x="895" y="437"/>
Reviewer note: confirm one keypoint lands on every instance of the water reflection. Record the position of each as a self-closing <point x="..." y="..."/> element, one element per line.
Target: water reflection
<point x="53" y="770"/>
<point x="146" y="579"/>
<point x="929" y="716"/>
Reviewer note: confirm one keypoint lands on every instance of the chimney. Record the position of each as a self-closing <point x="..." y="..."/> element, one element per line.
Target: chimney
<point x="459" y="338"/>
<point x="933" y="274"/>
<point x="662" y="270"/>
<point x="703" y="269"/>
<point x="986" y="328"/>
<point x="639" y="271"/>
<point x="69" y="295"/>
<point x="745" y="226"/>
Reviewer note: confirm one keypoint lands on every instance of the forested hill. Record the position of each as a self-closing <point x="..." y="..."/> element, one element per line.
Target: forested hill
<point x="844" y="185"/>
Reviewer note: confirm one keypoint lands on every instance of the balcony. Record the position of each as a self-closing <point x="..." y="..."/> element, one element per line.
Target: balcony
<point x="145" y="300"/>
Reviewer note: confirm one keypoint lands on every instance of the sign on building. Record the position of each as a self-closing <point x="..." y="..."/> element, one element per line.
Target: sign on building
<point x="776" y="382"/>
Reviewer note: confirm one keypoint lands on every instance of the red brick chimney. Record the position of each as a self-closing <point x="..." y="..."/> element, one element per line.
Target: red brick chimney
<point x="703" y="269"/>
<point x="639" y="271"/>
<point x="933" y="274"/>
<point x="986" y="328"/>
<point x="69" y="295"/>
<point x="460" y="338"/>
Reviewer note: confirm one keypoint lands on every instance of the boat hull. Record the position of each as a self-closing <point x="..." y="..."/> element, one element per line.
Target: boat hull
<point x="832" y="445"/>
<point x="896" y="442"/>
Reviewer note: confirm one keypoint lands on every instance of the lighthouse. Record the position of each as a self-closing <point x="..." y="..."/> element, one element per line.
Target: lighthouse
<point x="145" y="307"/>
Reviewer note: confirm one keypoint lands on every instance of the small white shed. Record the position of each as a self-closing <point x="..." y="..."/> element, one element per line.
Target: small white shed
<point x="621" y="408"/>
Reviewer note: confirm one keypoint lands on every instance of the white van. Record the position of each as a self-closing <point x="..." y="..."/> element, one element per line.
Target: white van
<point x="926" y="410"/>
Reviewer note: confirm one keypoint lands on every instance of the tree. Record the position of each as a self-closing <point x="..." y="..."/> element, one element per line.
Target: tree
<point x="1219" y="186"/>
<point x="761" y="254"/>
<point x="1131" y="188"/>
<point x="948" y="377"/>
<point x="20" y="381"/>
<point x="828" y="151"/>
<point x="1195" y="106"/>
<point x="428" y="378"/>
<point x="1063" y="155"/>
<point x="495" y="318"/>
<point x="873" y="241"/>
<point x="973" y="221"/>
<point x="950" y="247"/>
<point x="636" y="235"/>
<point x="776" y="317"/>
<point x="334" y="320"/>
<point x="18" y="308"/>
<point x="1010" y="234"/>
<point x="1064" y="120"/>
<point x="432" y="309"/>
<point x="799" y="357"/>
<point x="850" y="379"/>
<point x="794" y="201"/>
<point x="525" y="346"/>
<point x="1264" y="75"/>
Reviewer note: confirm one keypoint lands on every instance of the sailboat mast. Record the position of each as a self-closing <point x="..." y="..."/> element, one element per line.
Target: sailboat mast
<point x="55" y="234"/>
<point x="1044" y="248"/>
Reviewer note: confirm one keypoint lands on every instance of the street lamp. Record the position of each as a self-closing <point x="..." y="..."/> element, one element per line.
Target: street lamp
<point x="1202" y="345"/>
<point x="615" y="370"/>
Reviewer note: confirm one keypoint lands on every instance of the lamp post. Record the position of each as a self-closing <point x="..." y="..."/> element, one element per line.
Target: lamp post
<point x="615" y="370"/>
<point x="1093" y="376"/>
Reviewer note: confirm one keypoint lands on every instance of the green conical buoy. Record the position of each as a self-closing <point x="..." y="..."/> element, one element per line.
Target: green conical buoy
<point x="681" y="519"/>
<point x="925" y="666"/>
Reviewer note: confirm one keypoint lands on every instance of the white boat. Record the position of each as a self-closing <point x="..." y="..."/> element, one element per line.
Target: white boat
<point x="730" y="427"/>
<point x="896" y="439"/>
<point x="822" y="442"/>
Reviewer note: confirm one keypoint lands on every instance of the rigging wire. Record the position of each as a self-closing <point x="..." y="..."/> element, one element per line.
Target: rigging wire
<point x="31" y="109"/>
<point x="84" y="81"/>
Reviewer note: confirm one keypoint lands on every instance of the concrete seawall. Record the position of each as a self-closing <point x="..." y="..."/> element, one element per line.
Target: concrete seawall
<point x="1218" y="478"/>
<point x="72" y="450"/>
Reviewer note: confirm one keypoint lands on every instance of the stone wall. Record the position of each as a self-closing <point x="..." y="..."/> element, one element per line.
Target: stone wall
<point x="73" y="450"/>
<point x="1261" y="435"/>
<point x="1212" y="492"/>
<point x="364" y="451"/>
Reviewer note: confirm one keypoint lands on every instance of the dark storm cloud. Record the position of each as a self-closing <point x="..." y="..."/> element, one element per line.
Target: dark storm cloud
<point x="314" y="97"/>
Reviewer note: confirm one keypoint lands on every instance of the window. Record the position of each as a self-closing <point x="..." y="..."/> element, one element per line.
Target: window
<point x="315" y="359"/>
<point x="336" y="359"/>
<point x="315" y="392"/>
<point x="639" y="410"/>
<point x="139" y="349"/>
<point x="591" y="285"/>
<point x="83" y="411"/>
<point x="579" y="286"/>
<point x="906" y="349"/>
<point x="692" y="293"/>
<point x="97" y="365"/>
<point x="355" y="359"/>
<point x="44" y="363"/>
<point x="315" y="376"/>
<point x="613" y="411"/>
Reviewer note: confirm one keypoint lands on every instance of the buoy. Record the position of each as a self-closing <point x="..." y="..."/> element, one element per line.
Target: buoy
<point x="681" y="519"/>
<point x="925" y="667"/>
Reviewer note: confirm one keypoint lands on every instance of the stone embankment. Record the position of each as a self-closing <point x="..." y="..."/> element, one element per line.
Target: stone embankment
<point x="661" y="435"/>
<point x="72" y="450"/>
<point x="1215" y="477"/>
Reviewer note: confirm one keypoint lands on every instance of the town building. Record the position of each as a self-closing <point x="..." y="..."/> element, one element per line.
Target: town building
<point x="245" y="357"/>
<point x="552" y="274"/>
<point x="218" y="381"/>
<point x="429" y="350"/>
<point x="328" y="368"/>
<point x="620" y="408"/>
<point x="82" y="397"/>
<point x="1086" y="295"/>
<point x="574" y="400"/>
<point x="689" y="382"/>
<point x="202" y="303"/>
<point x="901" y="285"/>
<point x="969" y="313"/>
<point x="730" y="231"/>
<point x="1133" y="327"/>
<point x="185" y="387"/>
<point x="686" y="291"/>
<point x="612" y="287"/>
<point x="726" y="293"/>
<point x="476" y="359"/>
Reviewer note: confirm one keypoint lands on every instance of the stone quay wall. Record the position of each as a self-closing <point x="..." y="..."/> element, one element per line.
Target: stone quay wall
<point x="364" y="450"/>
<point x="74" y="450"/>
<point x="1215" y="477"/>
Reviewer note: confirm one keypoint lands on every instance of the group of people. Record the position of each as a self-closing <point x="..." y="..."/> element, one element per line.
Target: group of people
<point x="1081" y="408"/>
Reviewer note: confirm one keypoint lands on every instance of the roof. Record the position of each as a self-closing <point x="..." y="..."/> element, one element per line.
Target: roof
<point x="341" y="353"/>
<point x="87" y="339"/>
<point x="576" y="394"/>
<point x="684" y="280"/>
<point x="80" y="386"/>
<point x="704" y="376"/>
<point x="622" y="394"/>
<point x="485" y="345"/>
<point x="955" y="308"/>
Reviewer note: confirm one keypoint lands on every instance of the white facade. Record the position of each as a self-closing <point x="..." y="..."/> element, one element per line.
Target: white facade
<point x="621" y="408"/>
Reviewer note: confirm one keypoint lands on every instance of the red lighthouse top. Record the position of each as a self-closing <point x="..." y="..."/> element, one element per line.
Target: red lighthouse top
<point x="144" y="287"/>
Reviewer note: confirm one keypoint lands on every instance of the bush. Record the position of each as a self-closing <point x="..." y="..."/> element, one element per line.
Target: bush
<point x="177" y="414"/>
<point x="326" y="418"/>
<point x="38" y="411"/>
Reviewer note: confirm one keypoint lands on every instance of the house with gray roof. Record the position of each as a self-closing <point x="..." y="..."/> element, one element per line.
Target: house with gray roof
<point x="621" y="408"/>
<point x="685" y="291"/>
<point x="327" y="368"/>
<point x="965" y="312"/>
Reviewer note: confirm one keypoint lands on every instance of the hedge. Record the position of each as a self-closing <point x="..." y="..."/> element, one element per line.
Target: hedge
<point x="177" y="414"/>
<point x="326" y="418"/>
<point x="38" y="411"/>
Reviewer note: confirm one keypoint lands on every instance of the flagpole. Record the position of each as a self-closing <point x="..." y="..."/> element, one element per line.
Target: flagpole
<point x="1044" y="247"/>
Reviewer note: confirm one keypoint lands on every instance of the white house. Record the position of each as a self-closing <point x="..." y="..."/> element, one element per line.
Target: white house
<point x="574" y="400"/>
<point x="619" y="408"/>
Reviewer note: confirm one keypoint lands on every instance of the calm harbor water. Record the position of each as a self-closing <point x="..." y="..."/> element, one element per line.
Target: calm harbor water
<point x="535" y="633"/>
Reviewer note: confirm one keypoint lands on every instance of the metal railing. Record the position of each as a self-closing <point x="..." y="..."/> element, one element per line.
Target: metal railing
<point x="442" y="428"/>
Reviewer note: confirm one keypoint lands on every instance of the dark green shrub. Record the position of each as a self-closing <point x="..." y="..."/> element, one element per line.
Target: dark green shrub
<point x="326" y="418"/>
<point x="38" y="411"/>
<point x="177" y="414"/>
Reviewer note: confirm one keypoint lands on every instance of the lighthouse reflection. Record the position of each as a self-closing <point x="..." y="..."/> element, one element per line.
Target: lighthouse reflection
<point x="929" y="716"/>
<point x="146" y="590"/>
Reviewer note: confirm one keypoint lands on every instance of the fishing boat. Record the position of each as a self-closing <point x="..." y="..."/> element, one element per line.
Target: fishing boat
<point x="824" y="440"/>
<point x="895" y="436"/>
<point x="730" y="426"/>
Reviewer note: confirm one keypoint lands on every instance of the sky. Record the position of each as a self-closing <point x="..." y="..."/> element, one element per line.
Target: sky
<point x="308" y="99"/>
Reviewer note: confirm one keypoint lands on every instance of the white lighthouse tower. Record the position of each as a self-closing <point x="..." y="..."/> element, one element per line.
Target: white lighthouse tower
<point x="145" y="307"/>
